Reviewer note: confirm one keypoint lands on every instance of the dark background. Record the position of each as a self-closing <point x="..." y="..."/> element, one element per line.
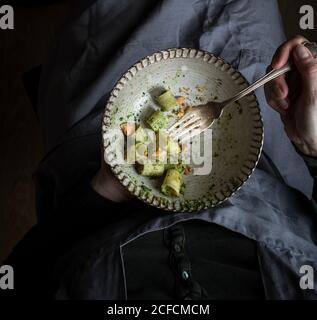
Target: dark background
<point x="36" y="25"/>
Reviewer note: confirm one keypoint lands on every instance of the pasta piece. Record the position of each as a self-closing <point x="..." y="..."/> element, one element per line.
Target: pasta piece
<point x="157" y="121"/>
<point x="172" y="183"/>
<point x="173" y="150"/>
<point x="159" y="155"/>
<point x="150" y="169"/>
<point x="181" y="112"/>
<point x="180" y="100"/>
<point x="161" y="137"/>
<point x="141" y="152"/>
<point x="167" y="101"/>
<point x="181" y="168"/>
<point x="159" y="150"/>
<point x="137" y="153"/>
<point x="141" y="135"/>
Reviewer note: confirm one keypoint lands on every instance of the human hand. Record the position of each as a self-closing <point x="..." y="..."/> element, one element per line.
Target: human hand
<point x="108" y="186"/>
<point x="294" y="96"/>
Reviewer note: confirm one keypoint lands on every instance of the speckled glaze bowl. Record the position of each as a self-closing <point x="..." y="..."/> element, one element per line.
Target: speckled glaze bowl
<point x="199" y="76"/>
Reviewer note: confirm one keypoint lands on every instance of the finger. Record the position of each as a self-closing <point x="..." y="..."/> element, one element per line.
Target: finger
<point x="283" y="53"/>
<point x="278" y="105"/>
<point x="294" y="83"/>
<point x="278" y="88"/>
<point x="276" y="96"/>
<point x="306" y="64"/>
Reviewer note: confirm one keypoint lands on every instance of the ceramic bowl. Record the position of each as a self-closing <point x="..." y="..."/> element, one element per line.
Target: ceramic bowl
<point x="237" y="137"/>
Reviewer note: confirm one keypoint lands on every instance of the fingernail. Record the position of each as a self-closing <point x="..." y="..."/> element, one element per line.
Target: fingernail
<point x="301" y="52"/>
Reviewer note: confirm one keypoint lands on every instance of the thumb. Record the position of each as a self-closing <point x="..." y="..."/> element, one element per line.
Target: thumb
<point x="306" y="64"/>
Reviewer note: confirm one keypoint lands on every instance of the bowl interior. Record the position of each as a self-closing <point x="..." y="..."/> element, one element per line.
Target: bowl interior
<point x="236" y="137"/>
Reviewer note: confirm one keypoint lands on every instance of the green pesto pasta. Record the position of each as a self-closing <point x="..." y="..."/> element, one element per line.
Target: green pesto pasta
<point x="167" y="101"/>
<point x="173" y="150"/>
<point x="161" y="137"/>
<point x="141" y="152"/>
<point x="141" y="135"/>
<point x="161" y="140"/>
<point x="150" y="169"/>
<point x="181" y="168"/>
<point x="172" y="183"/>
<point x="153" y="152"/>
<point x="137" y="153"/>
<point x="157" y="121"/>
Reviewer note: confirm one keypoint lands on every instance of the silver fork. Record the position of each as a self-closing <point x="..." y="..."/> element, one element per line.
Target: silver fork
<point x="201" y="117"/>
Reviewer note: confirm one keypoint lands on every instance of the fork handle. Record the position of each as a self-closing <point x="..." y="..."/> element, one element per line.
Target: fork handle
<point x="269" y="76"/>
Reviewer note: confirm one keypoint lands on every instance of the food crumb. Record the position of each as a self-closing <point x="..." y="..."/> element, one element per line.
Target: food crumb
<point x="188" y="109"/>
<point x="180" y="100"/>
<point x="127" y="128"/>
<point x="181" y="112"/>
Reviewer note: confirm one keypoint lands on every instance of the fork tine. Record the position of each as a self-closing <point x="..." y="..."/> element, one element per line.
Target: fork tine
<point x="180" y="121"/>
<point x="186" y="130"/>
<point x="191" y="134"/>
<point x="185" y="127"/>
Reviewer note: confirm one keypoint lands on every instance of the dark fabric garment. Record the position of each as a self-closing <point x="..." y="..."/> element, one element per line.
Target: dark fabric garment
<point x="213" y="263"/>
<point x="75" y="232"/>
<point x="210" y="249"/>
<point x="84" y="212"/>
<point x="311" y="163"/>
<point x="81" y="213"/>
